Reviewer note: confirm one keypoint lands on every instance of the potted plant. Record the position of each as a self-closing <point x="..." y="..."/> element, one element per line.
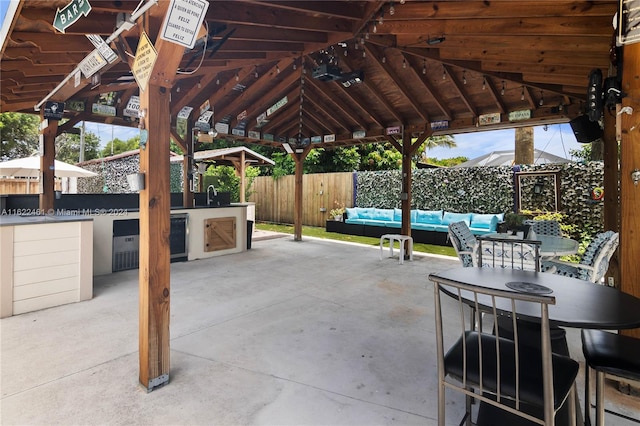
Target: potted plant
<point x="337" y="212"/>
<point x="515" y="222"/>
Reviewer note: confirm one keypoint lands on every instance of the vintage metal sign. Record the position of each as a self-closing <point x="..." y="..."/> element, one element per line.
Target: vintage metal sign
<point x="53" y="110"/>
<point x="203" y="121"/>
<point x="486" y="119"/>
<point x="395" y="130"/>
<point x="222" y="128"/>
<point x="237" y="132"/>
<point x="316" y="139"/>
<point x="359" y="134"/>
<point x="102" y="47"/>
<point x="144" y="61"/>
<point x="242" y="115"/>
<point x="181" y="120"/>
<point x="282" y="102"/>
<point x="133" y="107"/>
<point x="100" y="109"/>
<point x="92" y="63"/>
<point x="254" y="135"/>
<point x="183" y="20"/>
<point x="267" y="137"/>
<point x="69" y="14"/>
<point x="75" y="106"/>
<point x="329" y="138"/>
<point x="439" y="125"/>
<point x="524" y="114"/>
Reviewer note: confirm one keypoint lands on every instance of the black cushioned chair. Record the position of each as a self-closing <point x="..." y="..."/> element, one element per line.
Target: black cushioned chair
<point x="529" y="382"/>
<point x="607" y="353"/>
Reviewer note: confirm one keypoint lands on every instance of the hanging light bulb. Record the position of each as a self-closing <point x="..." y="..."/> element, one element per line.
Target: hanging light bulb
<point x="392" y="9"/>
<point x="503" y="86"/>
<point x="384" y="59"/>
<point x="237" y="76"/>
<point x="177" y="89"/>
<point x="345" y="52"/>
<point x="255" y="74"/>
<point x="362" y="40"/>
<point x="402" y="1"/>
<point x="444" y="73"/>
<point x="464" y="76"/>
<point x="424" y="67"/>
<point x="381" y="17"/>
<point x="541" y="98"/>
<point x="199" y="85"/>
<point x="295" y="67"/>
<point x="364" y="53"/>
<point x="484" y="82"/>
<point x="404" y="63"/>
<point x="375" y="28"/>
<point x="218" y="81"/>
<point x="522" y="94"/>
<point x="277" y="69"/>
<point x="366" y="35"/>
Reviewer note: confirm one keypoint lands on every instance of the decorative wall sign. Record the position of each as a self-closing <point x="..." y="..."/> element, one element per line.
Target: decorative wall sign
<point x="242" y="115"/>
<point x="222" y="128"/>
<point x="267" y="137"/>
<point x="69" y="14"/>
<point x="359" y="134"/>
<point x="77" y="106"/>
<point x="439" y="125"/>
<point x="133" y="107"/>
<point x="316" y="139"/>
<point x="53" y="110"/>
<point x="146" y="56"/>
<point x="182" y="120"/>
<point x="395" y="130"/>
<point x="282" y="102"/>
<point x="100" y="109"/>
<point x="183" y="20"/>
<point x="254" y="135"/>
<point x="102" y="47"/>
<point x="206" y="106"/>
<point x="237" y="132"/>
<point x="524" y="114"/>
<point x="486" y="119"/>
<point x="329" y="138"/>
<point x="203" y="121"/>
<point x="629" y="22"/>
<point x="262" y="119"/>
<point x="92" y="63"/>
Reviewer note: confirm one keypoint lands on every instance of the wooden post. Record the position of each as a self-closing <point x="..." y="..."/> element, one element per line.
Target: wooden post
<point x="610" y="157"/>
<point x="298" y="158"/>
<point x="243" y="180"/>
<point x="629" y="250"/>
<point x="155" y="205"/>
<point x="47" y="164"/>
<point x="405" y="196"/>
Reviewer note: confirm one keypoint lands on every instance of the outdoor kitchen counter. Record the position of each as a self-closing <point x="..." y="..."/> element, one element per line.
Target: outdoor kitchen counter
<point x="47" y="260"/>
<point x="196" y="225"/>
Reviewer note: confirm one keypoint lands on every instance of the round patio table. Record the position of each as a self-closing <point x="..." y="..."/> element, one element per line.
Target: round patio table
<point x="550" y="245"/>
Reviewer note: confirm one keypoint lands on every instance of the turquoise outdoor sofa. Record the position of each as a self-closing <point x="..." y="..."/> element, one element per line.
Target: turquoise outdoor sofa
<point x="428" y="226"/>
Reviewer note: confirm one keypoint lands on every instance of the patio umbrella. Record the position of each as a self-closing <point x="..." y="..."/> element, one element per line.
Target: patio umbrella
<point x="30" y="167"/>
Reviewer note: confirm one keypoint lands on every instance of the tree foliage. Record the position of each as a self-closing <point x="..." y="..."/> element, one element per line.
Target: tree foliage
<point x="447" y="162"/>
<point x="68" y="147"/>
<point x="19" y="135"/>
<point x="118" y="146"/>
<point x="225" y="179"/>
<point x="583" y="153"/>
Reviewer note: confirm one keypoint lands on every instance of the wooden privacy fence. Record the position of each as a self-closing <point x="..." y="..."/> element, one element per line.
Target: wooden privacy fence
<point x="19" y="186"/>
<point x="321" y="192"/>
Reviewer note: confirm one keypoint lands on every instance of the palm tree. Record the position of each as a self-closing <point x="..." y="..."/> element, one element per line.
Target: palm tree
<point x="432" y="142"/>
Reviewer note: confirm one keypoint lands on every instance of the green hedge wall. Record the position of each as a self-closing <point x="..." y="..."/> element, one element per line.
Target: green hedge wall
<point x="486" y="190"/>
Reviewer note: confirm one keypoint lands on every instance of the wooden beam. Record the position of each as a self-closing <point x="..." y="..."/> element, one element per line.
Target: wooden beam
<point x="629" y="190"/>
<point x="298" y="158"/>
<point x="611" y="210"/>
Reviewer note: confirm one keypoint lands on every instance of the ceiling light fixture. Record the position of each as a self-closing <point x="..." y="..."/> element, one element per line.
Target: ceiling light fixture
<point x="375" y="28"/>
<point x="384" y="59"/>
<point x="381" y="17"/>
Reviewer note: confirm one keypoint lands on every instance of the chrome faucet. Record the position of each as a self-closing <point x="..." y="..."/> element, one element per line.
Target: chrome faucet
<point x="215" y="193"/>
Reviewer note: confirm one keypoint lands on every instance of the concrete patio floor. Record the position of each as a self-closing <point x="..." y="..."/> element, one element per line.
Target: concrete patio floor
<point x="288" y="333"/>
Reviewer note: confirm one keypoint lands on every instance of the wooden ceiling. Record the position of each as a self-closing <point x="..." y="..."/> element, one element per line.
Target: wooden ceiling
<point x="493" y="57"/>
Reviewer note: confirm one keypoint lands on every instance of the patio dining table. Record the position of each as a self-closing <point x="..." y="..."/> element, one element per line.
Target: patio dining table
<point x="578" y="303"/>
<point x="550" y="245"/>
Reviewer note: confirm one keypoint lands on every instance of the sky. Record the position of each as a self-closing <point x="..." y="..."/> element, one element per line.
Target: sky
<point x="558" y="139"/>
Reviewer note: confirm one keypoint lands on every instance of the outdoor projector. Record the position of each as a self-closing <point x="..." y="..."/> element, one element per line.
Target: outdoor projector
<point x="326" y="72"/>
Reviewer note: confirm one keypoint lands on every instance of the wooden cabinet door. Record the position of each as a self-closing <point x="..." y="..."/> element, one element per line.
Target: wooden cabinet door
<point x="219" y="233"/>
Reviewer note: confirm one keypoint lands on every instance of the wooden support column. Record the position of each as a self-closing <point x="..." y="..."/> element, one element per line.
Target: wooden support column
<point x="187" y="168"/>
<point x="155" y="204"/>
<point x="405" y="195"/>
<point x="47" y="158"/>
<point x="629" y="250"/>
<point x="611" y="217"/>
<point x="243" y="179"/>
<point x="298" y="158"/>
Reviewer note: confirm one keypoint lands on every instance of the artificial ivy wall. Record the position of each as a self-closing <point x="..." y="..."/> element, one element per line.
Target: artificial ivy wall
<point x="488" y="190"/>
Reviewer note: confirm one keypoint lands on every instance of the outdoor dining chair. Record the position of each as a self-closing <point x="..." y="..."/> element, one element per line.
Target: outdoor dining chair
<point x="463" y="242"/>
<point x="544" y="227"/>
<point x="608" y="354"/>
<point x="506" y="253"/>
<point x="594" y="262"/>
<point x="531" y="382"/>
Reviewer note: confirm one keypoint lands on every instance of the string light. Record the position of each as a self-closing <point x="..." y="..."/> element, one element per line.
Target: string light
<point x="295" y="67"/>
<point x="541" y="98"/>
<point x="402" y="1"/>
<point x="381" y="17"/>
<point x="404" y="63"/>
<point x="424" y="67"/>
<point x="177" y="89"/>
<point x="444" y="73"/>
<point x="218" y="81"/>
<point x="277" y="69"/>
<point x="522" y="94"/>
<point x="237" y="76"/>
<point x="464" y="76"/>
<point x="364" y="53"/>
<point x="362" y="40"/>
<point x="199" y="85"/>
<point x="375" y="28"/>
<point x="484" y="82"/>
<point x="503" y="87"/>
<point x="392" y="9"/>
<point x="255" y="74"/>
<point x="384" y="59"/>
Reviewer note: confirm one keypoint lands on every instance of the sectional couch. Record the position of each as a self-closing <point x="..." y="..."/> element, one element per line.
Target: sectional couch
<point x="427" y="226"/>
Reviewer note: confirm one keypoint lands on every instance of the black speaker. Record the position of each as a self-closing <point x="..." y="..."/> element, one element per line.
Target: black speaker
<point x="586" y="131"/>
